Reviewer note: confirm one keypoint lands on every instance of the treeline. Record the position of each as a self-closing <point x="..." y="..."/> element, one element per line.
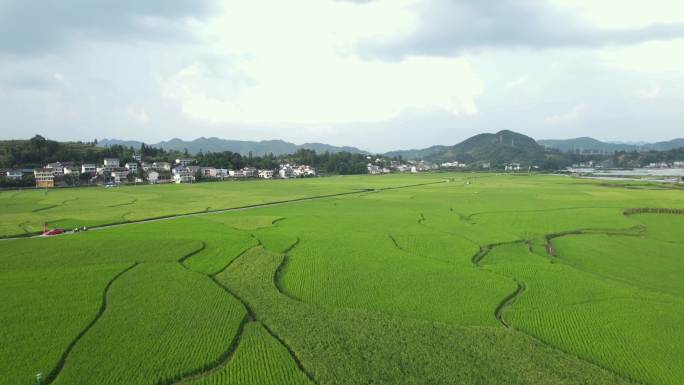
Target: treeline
<point x="643" y="158"/>
<point x="342" y="163"/>
<point x="38" y="151"/>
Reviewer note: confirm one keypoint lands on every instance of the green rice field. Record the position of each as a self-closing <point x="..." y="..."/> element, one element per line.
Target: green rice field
<point x="442" y="278"/>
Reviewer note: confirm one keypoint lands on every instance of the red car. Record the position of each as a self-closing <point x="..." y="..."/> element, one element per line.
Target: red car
<point x="53" y="232"/>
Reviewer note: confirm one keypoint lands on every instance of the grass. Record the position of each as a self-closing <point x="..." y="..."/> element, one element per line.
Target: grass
<point x="25" y="211"/>
<point x="41" y="312"/>
<point x="341" y="346"/>
<point x="259" y="359"/>
<point x="390" y="286"/>
<point x="162" y="322"/>
<point x="601" y="320"/>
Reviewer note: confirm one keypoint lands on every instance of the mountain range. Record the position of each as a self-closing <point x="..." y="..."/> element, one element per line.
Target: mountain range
<point x="591" y="144"/>
<point x="243" y="147"/>
<point x="501" y="147"/>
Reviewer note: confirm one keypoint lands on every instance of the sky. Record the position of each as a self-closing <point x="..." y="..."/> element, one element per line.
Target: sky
<point x="376" y="74"/>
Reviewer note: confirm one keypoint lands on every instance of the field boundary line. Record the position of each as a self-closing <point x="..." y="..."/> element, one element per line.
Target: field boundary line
<point x="253" y="314"/>
<point x="224" y="359"/>
<point x="634" y="231"/>
<point x="230" y="209"/>
<point x="250" y="316"/>
<point x="652" y="210"/>
<point x="510" y="300"/>
<point x="276" y="277"/>
<point x="190" y="254"/>
<point x="103" y="306"/>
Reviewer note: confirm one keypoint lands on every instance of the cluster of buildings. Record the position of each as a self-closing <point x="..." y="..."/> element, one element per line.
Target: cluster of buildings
<point x="183" y="170"/>
<point x="676" y="164"/>
<point x="453" y="165"/>
<point x="381" y="166"/>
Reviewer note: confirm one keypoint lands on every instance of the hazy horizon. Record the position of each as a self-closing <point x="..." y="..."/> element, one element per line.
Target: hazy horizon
<point x="379" y="75"/>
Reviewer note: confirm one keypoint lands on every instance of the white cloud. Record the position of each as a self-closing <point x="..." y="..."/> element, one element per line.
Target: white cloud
<point x="651" y="92"/>
<point x="302" y="70"/>
<point x="624" y="13"/>
<point x="568" y="116"/>
<point x="138" y="114"/>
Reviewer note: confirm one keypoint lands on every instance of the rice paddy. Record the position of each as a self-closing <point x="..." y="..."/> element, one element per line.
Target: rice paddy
<point x="401" y="279"/>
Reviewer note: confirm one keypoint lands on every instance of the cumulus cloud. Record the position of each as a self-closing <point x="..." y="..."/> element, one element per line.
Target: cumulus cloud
<point x="37" y="26"/>
<point x="452" y="27"/>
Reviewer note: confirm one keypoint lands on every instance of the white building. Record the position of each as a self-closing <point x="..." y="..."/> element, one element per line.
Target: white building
<point x="304" y="170"/>
<point x="222" y="173"/>
<point x="14" y="175"/>
<point x="266" y="174"/>
<point x="57" y="169"/>
<point x="249" y="172"/>
<point x="111" y="162"/>
<point x="88" y="168"/>
<point x="162" y="166"/>
<point x="132" y="167"/>
<point x="184" y="161"/>
<point x="209" y="172"/>
<point x="44" y="177"/>
<point x="286" y="171"/>
<point x="183" y="175"/>
<point x="153" y="177"/>
<point x="119" y="175"/>
<point x="71" y="170"/>
<point x="512" y="167"/>
<point x="373" y="169"/>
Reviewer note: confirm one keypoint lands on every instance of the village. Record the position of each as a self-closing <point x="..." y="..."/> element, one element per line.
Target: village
<point x="114" y="172"/>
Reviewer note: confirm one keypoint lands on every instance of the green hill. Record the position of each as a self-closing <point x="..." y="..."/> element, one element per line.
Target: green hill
<point x="502" y="147"/>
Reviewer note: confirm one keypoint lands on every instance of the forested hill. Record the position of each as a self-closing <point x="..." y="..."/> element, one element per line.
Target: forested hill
<point x="243" y="147"/>
<point x="502" y="147"/>
<point x="38" y="151"/>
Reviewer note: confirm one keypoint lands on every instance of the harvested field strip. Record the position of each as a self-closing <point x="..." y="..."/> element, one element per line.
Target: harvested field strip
<point x="60" y="364"/>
